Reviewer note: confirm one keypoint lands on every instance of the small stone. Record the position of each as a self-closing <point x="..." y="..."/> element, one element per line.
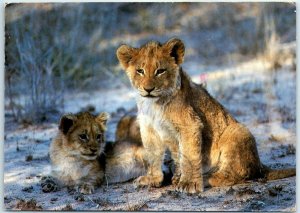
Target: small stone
<point x="278" y="187"/>
<point x="201" y="196"/>
<point x="287" y="198"/>
<point x="71" y="190"/>
<point x="291" y="150"/>
<point x="173" y="194"/>
<point x="272" y="192"/>
<point x="255" y="205"/>
<point x="226" y="202"/>
<point x="28" y="189"/>
<point x="79" y="197"/>
<point x="29" y="158"/>
<point x="230" y="191"/>
<point x="7" y="199"/>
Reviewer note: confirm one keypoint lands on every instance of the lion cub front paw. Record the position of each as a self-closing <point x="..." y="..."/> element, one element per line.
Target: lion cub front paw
<point x="190" y="187"/>
<point x="86" y="188"/>
<point x="148" y="181"/>
<point x="49" y="184"/>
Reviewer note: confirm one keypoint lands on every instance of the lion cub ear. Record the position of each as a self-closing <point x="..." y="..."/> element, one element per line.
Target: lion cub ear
<point x="66" y="122"/>
<point x="125" y="54"/>
<point x="175" y="48"/>
<point x="102" y="119"/>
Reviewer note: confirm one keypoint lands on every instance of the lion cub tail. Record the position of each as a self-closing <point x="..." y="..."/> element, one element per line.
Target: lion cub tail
<point x="275" y="174"/>
<point x="281" y="173"/>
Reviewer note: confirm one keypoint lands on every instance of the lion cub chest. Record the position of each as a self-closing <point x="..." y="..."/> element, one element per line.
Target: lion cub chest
<point x="71" y="168"/>
<point x="152" y="116"/>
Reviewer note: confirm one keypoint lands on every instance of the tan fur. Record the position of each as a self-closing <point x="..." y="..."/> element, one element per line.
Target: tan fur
<point x="124" y="158"/>
<point x="124" y="162"/>
<point x="74" y="157"/>
<point x="209" y="147"/>
<point x="128" y="129"/>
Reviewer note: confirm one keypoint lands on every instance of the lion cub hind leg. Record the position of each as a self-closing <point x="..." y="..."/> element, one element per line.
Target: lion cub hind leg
<point x="220" y="178"/>
<point x="148" y="180"/>
<point x="154" y="176"/>
<point x="239" y="160"/>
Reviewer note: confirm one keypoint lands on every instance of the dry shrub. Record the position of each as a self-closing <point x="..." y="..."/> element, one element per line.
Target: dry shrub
<point x="48" y="52"/>
<point x="278" y="55"/>
<point x="272" y="50"/>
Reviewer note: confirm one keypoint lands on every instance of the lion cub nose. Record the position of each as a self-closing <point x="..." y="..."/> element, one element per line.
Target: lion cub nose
<point x="149" y="90"/>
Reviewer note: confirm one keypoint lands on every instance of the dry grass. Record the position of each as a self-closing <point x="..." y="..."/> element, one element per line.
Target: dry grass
<point x="136" y="207"/>
<point x="29" y="205"/>
<point x="68" y="207"/>
<point x="278" y="55"/>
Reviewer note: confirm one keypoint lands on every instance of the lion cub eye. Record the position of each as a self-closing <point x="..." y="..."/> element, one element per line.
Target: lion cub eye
<point x="160" y="71"/>
<point x="99" y="137"/>
<point x="140" y="71"/>
<point x="83" y="137"/>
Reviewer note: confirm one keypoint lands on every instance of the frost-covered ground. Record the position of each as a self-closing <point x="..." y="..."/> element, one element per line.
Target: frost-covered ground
<point x="265" y="101"/>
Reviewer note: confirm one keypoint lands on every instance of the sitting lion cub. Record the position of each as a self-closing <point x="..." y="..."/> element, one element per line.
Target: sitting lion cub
<point x="82" y="159"/>
<point x="209" y="147"/>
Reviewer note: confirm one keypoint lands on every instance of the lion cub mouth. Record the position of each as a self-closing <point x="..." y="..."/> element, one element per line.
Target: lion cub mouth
<point x="89" y="156"/>
<point x="149" y="96"/>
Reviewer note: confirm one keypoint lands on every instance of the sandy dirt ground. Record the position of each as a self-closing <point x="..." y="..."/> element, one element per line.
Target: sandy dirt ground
<point x="265" y="101"/>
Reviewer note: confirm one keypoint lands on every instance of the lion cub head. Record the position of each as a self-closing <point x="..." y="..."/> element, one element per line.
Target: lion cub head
<point x="153" y="69"/>
<point x="83" y="134"/>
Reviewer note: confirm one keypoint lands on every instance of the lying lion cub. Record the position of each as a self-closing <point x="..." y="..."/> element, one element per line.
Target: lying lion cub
<point x="80" y="157"/>
<point x="209" y="147"/>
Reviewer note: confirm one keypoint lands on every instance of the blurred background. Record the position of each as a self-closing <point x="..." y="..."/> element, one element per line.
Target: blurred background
<point x="54" y="52"/>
